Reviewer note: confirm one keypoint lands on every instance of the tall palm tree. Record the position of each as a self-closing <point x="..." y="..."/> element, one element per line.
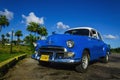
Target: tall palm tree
<point x="29" y="39"/>
<point x="42" y="31"/>
<point x="8" y="35"/>
<point x="3" y="36"/>
<point x="18" y="34"/>
<point x="33" y="27"/>
<point x="3" y="22"/>
<point x="36" y="28"/>
<point x="3" y="39"/>
<point x="26" y="39"/>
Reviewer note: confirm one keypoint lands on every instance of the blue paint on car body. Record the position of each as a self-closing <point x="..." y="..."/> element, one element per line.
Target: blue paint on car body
<point x="58" y="49"/>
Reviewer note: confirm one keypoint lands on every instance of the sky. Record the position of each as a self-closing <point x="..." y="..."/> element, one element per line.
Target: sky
<point x="60" y="15"/>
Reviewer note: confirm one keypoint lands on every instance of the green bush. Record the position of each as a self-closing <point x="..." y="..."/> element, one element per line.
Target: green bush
<point x="115" y="50"/>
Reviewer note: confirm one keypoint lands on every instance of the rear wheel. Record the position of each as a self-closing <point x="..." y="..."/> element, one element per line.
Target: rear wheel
<point x="106" y="58"/>
<point x="82" y="67"/>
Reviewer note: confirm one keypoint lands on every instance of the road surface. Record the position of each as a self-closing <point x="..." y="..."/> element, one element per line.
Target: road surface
<point x="29" y="69"/>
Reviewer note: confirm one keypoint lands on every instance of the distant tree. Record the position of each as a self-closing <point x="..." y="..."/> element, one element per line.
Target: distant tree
<point x="14" y="42"/>
<point x="18" y="34"/>
<point x="29" y="40"/>
<point x="26" y="39"/>
<point x="8" y="35"/>
<point x="3" y="39"/>
<point x="3" y="22"/>
<point x="115" y="50"/>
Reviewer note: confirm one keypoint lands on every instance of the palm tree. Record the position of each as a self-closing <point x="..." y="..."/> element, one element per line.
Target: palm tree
<point x="8" y="35"/>
<point x="3" y="22"/>
<point x="36" y="28"/>
<point x="33" y="27"/>
<point x="26" y="39"/>
<point x="29" y="39"/>
<point x="42" y="31"/>
<point x="3" y="39"/>
<point x="18" y="34"/>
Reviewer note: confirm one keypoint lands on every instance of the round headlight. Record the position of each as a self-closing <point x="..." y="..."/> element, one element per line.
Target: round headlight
<point x="70" y="43"/>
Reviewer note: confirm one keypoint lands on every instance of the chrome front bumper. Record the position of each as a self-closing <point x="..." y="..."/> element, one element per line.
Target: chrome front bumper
<point x="53" y="60"/>
<point x="56" y="54"/>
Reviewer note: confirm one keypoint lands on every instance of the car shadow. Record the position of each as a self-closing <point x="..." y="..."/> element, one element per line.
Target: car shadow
<point x="63" y="66"/>
<point x="59" y="66"/>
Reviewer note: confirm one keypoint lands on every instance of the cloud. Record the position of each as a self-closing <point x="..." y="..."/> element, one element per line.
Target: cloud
<point x="109" y="36"/>
<point x="7" y="13"/>
<point x="33" y="18"/>
<point x="60" y="25"/>
<point x="10" y="33"/>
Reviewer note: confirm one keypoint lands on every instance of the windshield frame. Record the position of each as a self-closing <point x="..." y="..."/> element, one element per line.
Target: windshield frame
<point x="71" y="33"/>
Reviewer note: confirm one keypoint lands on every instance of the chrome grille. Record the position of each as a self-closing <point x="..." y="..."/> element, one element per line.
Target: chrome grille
<point x="53" y="52"/>
<point x="52" y="49"/>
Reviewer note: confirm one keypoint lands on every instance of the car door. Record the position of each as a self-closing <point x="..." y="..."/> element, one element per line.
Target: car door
<point x="95" y="51"/>
<point x="101" y="44"/>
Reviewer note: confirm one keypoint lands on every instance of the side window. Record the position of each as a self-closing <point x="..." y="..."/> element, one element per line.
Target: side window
<point x="90" y="34"/>
<point x="99" y="36"/>
<point x="94" y="34"/>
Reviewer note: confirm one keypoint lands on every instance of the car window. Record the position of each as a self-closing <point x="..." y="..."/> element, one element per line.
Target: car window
<point x="81" y="32"/>
<point x="99" y="36"/>
<point x="94" y="34"/>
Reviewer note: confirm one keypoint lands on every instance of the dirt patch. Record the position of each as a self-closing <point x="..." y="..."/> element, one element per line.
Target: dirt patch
<point x="29" y="69"/>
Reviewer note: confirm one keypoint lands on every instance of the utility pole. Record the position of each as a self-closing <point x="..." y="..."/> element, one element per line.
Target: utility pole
<point x="11" y="41"/>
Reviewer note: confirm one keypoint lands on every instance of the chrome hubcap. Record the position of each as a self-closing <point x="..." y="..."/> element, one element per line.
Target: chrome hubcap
<point x="106" y="57"/>
<point x="84" y="62"/>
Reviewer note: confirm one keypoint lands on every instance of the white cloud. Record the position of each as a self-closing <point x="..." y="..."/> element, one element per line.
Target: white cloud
<point x="33" y="18"/>
<point x="10" y="33"/>
<point x="109" y="36"/>
<point x="7" y="13"/>
<point x="60" y="25"/>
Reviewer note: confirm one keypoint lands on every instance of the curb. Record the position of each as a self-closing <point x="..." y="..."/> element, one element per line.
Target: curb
<point x="5" y="65"/>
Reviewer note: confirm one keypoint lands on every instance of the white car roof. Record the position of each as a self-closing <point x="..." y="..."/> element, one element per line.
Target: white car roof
<point x="89" y="28"/>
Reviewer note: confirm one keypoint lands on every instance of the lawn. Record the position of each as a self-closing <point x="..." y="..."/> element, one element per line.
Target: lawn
<point x="17" y="50"/>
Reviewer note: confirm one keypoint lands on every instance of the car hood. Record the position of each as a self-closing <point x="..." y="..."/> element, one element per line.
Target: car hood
<point x="61" y="39"/>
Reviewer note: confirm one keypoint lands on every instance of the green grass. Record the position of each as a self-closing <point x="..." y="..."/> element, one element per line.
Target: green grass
<point x="17" y="50"/>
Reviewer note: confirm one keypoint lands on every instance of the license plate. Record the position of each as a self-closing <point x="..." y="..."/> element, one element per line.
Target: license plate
<point x="44" y="58"/>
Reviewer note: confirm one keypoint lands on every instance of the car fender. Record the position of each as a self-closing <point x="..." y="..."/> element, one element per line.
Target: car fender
<point x="106" y="50"/>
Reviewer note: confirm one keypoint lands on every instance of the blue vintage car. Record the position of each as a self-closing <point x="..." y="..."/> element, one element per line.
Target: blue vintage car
<point x="76" y="46"/>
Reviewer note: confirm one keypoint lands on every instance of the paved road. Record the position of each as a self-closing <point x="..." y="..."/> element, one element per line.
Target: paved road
<point x="29" y="69"/>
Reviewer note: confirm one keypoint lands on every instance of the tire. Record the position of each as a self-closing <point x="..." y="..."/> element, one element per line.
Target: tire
<point x="106" y="58"/>
<point x="83" y="66"/>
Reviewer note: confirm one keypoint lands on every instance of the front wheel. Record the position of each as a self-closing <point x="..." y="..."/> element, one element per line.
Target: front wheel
<point x="82" y="67"/>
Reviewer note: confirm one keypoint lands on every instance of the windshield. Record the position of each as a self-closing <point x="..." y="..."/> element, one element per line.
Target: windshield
<point x="81" y="32"/>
